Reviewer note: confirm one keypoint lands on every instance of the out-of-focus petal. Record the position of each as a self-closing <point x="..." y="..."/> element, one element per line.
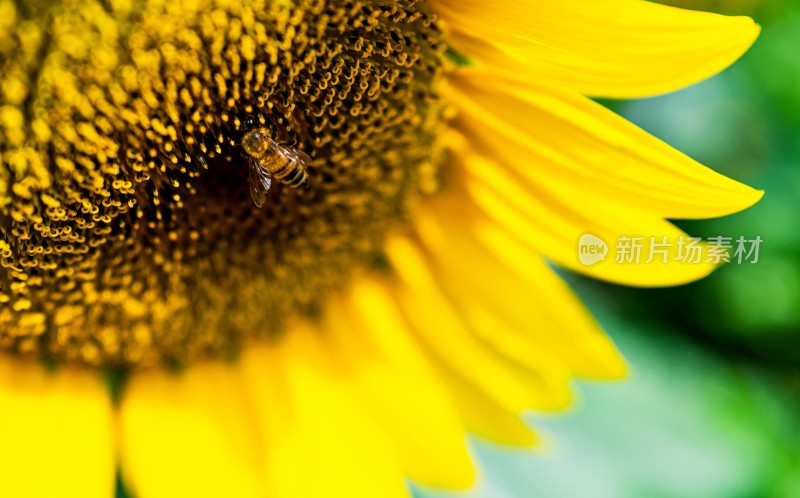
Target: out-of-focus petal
<point x="513" y="302"/>
<point x="189" y="434"/>
<point x="399" y="385"/>
<point x="440" y="329"/>
<point x="56" y="432"/>
<point x="321" y="439"/>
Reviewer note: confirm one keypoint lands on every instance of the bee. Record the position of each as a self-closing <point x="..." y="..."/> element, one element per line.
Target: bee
<point x="269" y="159"/>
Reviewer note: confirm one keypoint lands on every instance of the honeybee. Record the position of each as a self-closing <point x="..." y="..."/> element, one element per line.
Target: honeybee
<point x="269" y="159"/>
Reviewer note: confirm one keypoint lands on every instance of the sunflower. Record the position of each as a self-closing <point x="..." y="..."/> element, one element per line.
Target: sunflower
<point x="157" y="326"/>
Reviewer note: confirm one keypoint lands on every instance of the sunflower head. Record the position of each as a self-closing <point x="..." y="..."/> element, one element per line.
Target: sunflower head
<point x="128" y="236"/>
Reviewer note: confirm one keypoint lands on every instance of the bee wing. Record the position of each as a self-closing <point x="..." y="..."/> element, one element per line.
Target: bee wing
<point x="300" y="156"/>
<point x="260" y="182"/>
<point x="291" y="153"/>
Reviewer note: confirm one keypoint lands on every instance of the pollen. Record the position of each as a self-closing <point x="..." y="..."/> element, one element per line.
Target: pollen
<point x="128" y="237"/>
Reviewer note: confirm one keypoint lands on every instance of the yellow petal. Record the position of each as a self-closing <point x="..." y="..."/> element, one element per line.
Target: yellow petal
<point x="402" y="389"/>
<point x="441" y="330"/>
<point x="514" y="302"/>
<point x="321" y="439"/>
<point x="548" y="167"/>
<point x="56" y="436"/>
<point x="550" y="136"/>
<point x="189" y="434"/>
<point x="610" y="48"/>
<point x="552" y="226"/>
<point x="485" y="417"/>
<point x="480" y="409"/>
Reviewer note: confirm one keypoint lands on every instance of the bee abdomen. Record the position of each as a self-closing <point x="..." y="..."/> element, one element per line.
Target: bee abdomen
<point x="296" y="178"/>
<point x="290" y="173"/>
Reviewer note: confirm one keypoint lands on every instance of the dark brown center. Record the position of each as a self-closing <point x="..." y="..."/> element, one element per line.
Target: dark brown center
<point x="128" y="233"/>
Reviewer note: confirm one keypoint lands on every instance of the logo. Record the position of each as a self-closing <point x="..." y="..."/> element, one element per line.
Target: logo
<point x="591" y="249"/>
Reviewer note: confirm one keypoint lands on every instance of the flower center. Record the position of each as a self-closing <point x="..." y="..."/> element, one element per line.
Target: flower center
<point x="128" y="232"/>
